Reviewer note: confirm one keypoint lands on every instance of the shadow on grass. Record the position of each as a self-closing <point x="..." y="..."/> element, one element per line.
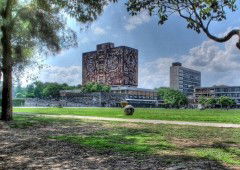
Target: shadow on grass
<point x="147" y="142"/>
<point x="89" y="147"/>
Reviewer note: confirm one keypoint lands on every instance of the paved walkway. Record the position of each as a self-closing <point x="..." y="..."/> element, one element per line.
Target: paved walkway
<point x="225" y="125"/>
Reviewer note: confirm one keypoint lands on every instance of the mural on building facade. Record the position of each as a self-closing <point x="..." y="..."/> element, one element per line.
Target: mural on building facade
<point x="111" y="65"/>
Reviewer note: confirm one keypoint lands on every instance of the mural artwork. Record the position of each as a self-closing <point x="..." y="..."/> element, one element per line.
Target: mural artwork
<point x="111" y="65"/>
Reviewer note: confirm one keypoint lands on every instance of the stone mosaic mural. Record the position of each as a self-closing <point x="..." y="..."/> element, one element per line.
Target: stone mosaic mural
<point x="111" y="65"/>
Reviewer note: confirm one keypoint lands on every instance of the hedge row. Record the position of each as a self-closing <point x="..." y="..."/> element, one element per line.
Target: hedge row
<point x="16" y="102"/>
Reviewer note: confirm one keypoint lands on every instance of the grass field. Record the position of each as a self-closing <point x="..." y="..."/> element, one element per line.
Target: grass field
<point x="213" y="115"/>
<point x="171" y="143"/>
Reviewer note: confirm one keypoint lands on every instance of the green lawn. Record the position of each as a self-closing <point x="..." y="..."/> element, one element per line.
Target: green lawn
<point x="214" y="115"/>
<point x="190" y="142"/>
<point x="171" y="143"/>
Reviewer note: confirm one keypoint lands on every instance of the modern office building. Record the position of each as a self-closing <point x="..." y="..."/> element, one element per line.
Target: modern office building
<point x="218" y="91"/>
<point x="114" y="66"/>
<point x="184" y="79"/>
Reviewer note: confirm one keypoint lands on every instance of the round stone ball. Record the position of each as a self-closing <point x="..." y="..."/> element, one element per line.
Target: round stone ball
<point x="129" y="110"/>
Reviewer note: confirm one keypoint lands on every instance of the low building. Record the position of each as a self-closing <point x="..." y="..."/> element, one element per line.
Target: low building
<point x="184" y="79"/>
<point x="137" y="97"/>
<point x="218" y="91"/>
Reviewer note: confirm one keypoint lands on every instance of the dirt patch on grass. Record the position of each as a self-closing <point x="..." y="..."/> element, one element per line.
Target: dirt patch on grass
<point x="190" y="143"/>
<point x="31" y="148"/>
<point x="122" y="125"/>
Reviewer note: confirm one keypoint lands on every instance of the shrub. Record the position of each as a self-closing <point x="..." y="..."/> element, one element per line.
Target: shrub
<point x="16" y="102"/>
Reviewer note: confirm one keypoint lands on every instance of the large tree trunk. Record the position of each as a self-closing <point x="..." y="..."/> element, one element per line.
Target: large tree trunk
<point x="7" y="76"/>
<point x="7" y="63"/>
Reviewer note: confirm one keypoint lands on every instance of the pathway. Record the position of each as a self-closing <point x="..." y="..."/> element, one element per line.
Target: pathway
<point x="225" y="125"/>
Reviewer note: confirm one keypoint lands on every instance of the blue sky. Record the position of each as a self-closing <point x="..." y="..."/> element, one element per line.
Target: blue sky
<point x="158" y="46"/>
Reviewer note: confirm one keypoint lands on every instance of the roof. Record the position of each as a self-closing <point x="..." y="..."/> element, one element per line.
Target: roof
<point x="131" y="88"/>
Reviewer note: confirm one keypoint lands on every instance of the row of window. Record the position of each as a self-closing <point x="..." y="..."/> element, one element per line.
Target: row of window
<point x="233" y="89"/>
<point x="234" y="95"/>
<point x="142" y="97"/>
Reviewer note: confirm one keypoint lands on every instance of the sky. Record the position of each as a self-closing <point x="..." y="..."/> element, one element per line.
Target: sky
<point x="158" y="45"/>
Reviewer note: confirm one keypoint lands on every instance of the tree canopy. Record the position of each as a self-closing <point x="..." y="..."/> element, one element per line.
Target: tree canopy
<point x="173" y="98"/>
<point x="225" y="101"/>
<point x="41" y="90"/>
<point x="33" y="27"/>
<point x="199" y="14"/>
<point x="95" y="87"/>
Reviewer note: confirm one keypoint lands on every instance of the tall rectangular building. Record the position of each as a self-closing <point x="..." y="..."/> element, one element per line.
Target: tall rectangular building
<point x="114" y="66"/>
<point x="184" y="79"/>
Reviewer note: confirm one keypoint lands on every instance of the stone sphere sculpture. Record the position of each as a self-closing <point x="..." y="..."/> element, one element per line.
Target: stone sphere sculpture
<point x="129" y="110"/>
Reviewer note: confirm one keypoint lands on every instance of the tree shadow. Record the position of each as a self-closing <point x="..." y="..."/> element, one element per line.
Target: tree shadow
<point x="91" y="146"/>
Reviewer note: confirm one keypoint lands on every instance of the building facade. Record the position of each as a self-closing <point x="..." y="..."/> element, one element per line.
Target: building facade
<point x="218" y="91"/>
<point x="184" y="79"/>
<point x="137" y="97"/>
<point x="114" y="66"/>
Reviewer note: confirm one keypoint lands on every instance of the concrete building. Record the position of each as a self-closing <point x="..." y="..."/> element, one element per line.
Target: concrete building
<point x="137" y="97"/>
<point x="118" y="68"/>
<point x="184" y="79"/>
<point x="114" y="66"/>
<point x="218" y="91"/>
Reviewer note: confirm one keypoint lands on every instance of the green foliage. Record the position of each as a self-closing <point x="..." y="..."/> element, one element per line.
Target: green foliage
<point x="225" y="101"/>
<point x="198" y="14"/>
<point x="211" y="102"/>
<point x="52" y="90"/>
<point x="40" y="25"/>
<point x="173" y="98"/>
<point x="19" y="92"/>
<point x="30" y="95"/>
<point x="95" y="87"/>
<point x="30" y="28"/>
<point x="39" y="89"/>
<point x="203" y="100"/>
<point x="20" y="95"/>
<point x="16" y="102"/>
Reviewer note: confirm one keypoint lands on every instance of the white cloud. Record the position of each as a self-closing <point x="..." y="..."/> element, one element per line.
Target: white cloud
<point x="71" y="75"/>
<point x="99" y="31"/>
<point x="219" y="64"/>
<point x="155" y="73"/>
<point x="134" y="21"/>
<point x="213" y="58"/>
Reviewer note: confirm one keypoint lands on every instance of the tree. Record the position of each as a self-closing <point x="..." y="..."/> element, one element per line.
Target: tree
<point x="173" y="98"/>
<point x="95" y="87"/>
<point x="226" y="102"/>
<point x="19" y="95"/>
<point x="202" y="100"/>
<point x="37" y="26"/>
<point x="211" y="102"/>
<point x="52" y="90"/>
<point x="30" y="91"/>
<point x="38" y="89"/>
<point x="198" y="14"/>
<point x="19" y="90"/>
